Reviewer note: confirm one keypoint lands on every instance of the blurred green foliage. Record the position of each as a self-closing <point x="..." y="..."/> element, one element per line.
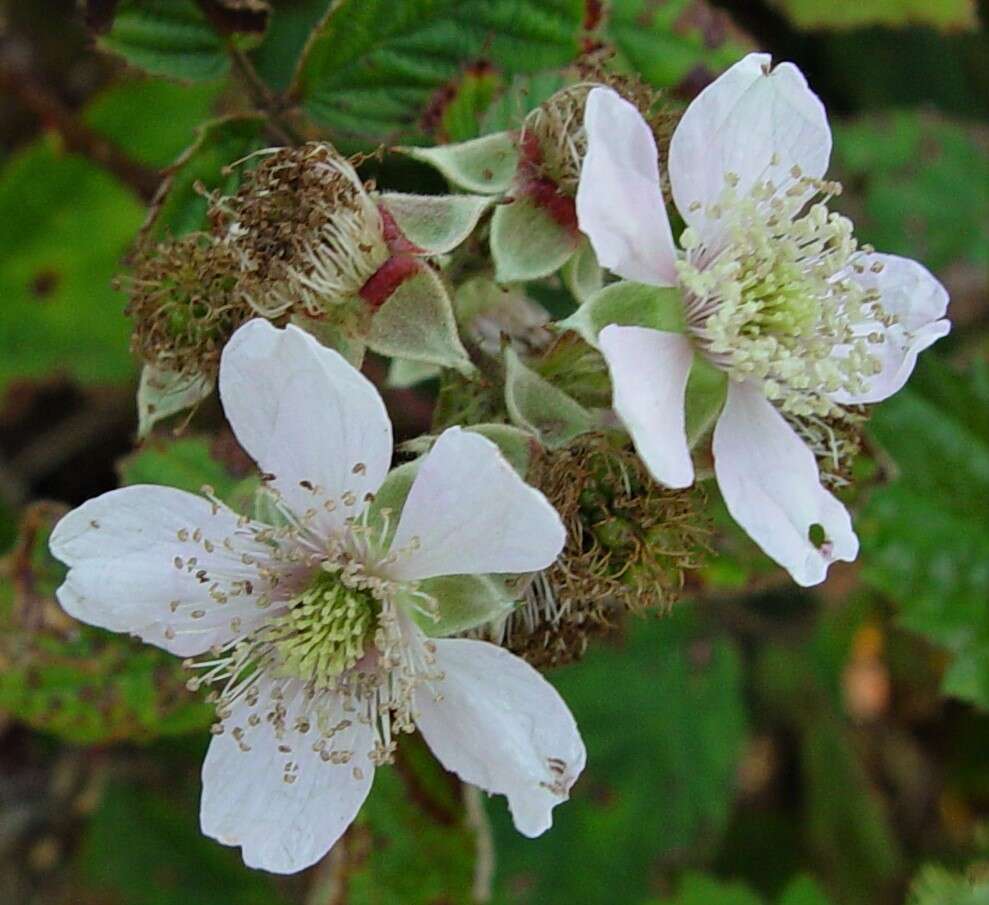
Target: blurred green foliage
<point x="926" y="535"/>
<point x="756" y="747"/>
<point x="945" y="14"/>
<point x="79" y="683"/>
<point x="663" y="717"/>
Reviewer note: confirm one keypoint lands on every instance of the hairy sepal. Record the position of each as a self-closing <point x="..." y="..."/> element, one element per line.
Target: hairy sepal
<point x="536" y="405"/>
<point x="627" y="304"/>
<point x="486" y="165"/>
<point x="416" y="322"/>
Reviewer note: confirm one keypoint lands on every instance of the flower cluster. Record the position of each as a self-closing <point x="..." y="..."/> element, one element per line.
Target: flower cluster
<point x="555" y="491"/>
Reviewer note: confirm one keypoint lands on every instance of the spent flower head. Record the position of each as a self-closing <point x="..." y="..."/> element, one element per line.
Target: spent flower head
<point x="776" y="294"/>
<point x="305" y="228"/>
<point x="308" y="626"/>
<point x="184" y="300"/>
<point x="629" y="544"/>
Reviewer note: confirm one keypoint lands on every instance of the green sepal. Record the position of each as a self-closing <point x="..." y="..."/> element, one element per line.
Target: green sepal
<point x="172" y="38"/>
<point x="435" y="223"/>
<point x="343" y="328"/>
<point x="417" y="322"/>
<point x="514" y="443"/>
<point x="536" y="405"/>
<point x="163" y="393"/>
<point x="386" y="507"/>
<point x="485" y="164"/>
<point x="629" y="305"/>
<point x="707" y="389"/>
<point x="527" y="243"/>
<point x="463" y="602"/>
<point x="403" y="374"/>
<point x="582" y="274"/>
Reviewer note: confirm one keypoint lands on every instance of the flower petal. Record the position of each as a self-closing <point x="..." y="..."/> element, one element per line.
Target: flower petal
<point x="305" y="414"/>
<point x="736" y="125"/>
<point x="268" y="790"/>
<point x="498" y="724"/>
<point x="918" y="301"/>
<point x="136" y="566"/>
<point x="770" y="484"/>
<point x="619" y="203"/>
<point x="469" y="512"/>
<point x="649" y="370"/>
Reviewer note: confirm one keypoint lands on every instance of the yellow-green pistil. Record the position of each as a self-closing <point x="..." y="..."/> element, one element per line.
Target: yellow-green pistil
<point x="326" y="630"/>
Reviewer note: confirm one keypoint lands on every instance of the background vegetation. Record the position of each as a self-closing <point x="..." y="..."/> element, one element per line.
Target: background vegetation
<point x="759" y="746"/>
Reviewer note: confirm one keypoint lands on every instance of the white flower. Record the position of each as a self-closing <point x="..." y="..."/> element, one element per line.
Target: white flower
<point x="776" y="293"/>
<point x="306" y="631"/>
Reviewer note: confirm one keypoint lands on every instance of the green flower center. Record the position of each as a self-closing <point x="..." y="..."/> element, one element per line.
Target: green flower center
<point x="778" y="301"/>
<point x="326" y="630"/>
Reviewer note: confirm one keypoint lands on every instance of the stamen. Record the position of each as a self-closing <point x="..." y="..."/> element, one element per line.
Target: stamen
<point x="776" y="301"/>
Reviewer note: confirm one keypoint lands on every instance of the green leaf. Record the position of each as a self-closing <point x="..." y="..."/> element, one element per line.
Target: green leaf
<point x="938" y="886"/>
<point x="162" y="394"/>
<point x="435" y="223"/>
<point x="417" y="323"/>
<point x="851" y="835"/>
<point x="186" y="464"/>
<point x="64" y="226"/>
<point x="629" y="305"/>
<point x="524" y="93"/>
<point x="907" y="168"/>
<point x="291" y="26"/>
<point x="465" y="602"/>
<point x="84" y="685"/>
<point x="527" y="243"/>
<point x="374" y="65"/>
<point x="663" y="717"/>
<point x="485" y="165"/>
<point x="925" y="537"/>
<point x="411" y="843"/>
<point x="462" y="114"/>
<point x="152" y="120"/>
<point x="664" y="42"/>
<point x="167" y="37"/>
<point x="180" y="207"/>
<point x="803" y="891"/>
<point x="949" y="15"/>
<point x="699" y="889"/>
<point x="139" y="832"/>
<point x="538" y="406"/>
<point x="696" y="889"/>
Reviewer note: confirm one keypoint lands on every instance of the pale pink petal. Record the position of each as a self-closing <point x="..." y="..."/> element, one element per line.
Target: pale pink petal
<point x="151" y="561"/>
<point x="499" y="725"/>
<point x="267" y="789"/>
<point x="619" y="202"/>
<point x="753" y="121"/>
<point x="649" y="371"/>
<point x="306" y="415"/>
<point x="770" y="483"/>
<point x="469" y="513"/>
<point x="918" y="302"/>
